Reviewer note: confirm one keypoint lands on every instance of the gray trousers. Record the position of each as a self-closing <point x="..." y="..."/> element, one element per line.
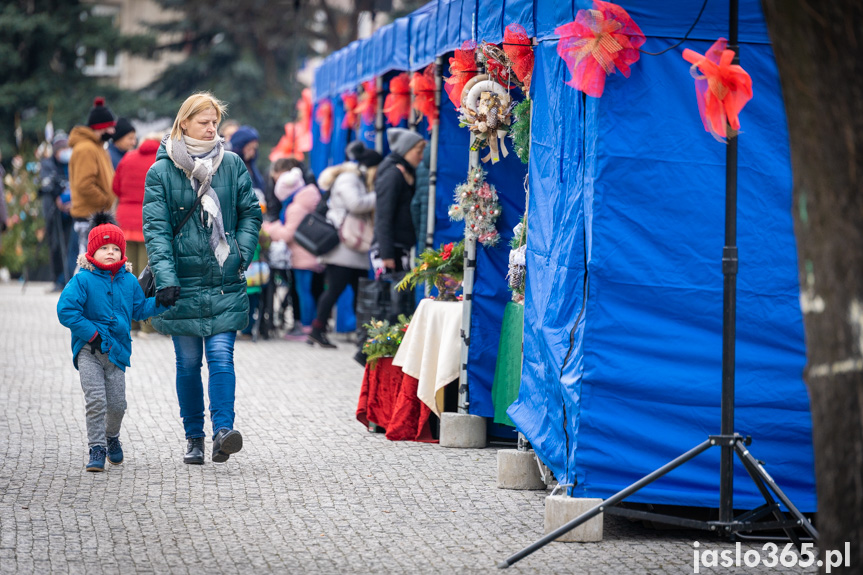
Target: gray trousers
<point x="104" y="386"/>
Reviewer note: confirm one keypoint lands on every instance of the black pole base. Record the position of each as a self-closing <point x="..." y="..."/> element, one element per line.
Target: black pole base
<point x="746" y="522"/>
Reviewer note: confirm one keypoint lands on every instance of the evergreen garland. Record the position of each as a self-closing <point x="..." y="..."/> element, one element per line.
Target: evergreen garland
<point x="520" y="132"/>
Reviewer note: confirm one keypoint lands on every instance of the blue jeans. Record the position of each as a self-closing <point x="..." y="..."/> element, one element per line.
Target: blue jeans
<point x="308" y="305"/>
<point x="190" y="389"/>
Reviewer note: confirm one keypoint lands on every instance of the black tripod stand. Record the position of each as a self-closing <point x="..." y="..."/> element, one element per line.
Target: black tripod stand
<point x="728" y="441"/>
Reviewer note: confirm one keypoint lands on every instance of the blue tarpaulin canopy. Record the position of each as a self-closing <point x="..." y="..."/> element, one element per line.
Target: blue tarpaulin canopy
<point x="623" y="311"/>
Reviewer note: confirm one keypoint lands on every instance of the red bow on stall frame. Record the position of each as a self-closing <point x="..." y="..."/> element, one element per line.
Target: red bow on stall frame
<point x="722" y="88"/>
<point x="423" y="88"/>
<point x="462" y="67"/>
<point x="518" y="47"/>
<point x="397" y="106"/>
<point x="367" y="107"/>
<point x="304" y="110"/>
<point x="324" y="116"/>
<point x="291" y="143"/>
<point x="349" y="102"/>
<point x="598" y="42"/>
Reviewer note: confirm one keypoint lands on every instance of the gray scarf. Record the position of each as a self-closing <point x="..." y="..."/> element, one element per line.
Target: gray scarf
<point x="200" y="172"/>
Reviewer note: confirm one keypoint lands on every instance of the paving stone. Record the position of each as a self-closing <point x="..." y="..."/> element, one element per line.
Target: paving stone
<point x="311" y="492"/>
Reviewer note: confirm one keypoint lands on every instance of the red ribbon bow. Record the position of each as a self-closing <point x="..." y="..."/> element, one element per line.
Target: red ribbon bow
<point x="462" y="67"/>
<point x="349" y="102"/>
<point x="291" y="143"/>
<point x="397" y="106"/>
<point x="518" y="48"/>
<point x="423" y="88"/>
<point x="723" y="89"/>
<point x="324" y="116"/>
<point x="367" y="107"/>
<point x="598" y="42"/>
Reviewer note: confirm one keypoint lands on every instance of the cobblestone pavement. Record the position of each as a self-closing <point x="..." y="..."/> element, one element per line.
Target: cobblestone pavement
<point x="311" y="492"/>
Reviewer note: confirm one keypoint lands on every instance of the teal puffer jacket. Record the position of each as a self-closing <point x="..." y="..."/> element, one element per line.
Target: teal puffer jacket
<point x="212" y="299"/>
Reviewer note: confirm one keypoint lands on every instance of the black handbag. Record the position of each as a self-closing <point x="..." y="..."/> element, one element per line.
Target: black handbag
<point x="380" y="299"/>
<point x="147" y="280"/>
<point x="315" y="233"/>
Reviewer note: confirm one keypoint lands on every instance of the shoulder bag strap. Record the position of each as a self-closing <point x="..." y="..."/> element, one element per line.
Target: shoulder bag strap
<point x="189" y="215"/>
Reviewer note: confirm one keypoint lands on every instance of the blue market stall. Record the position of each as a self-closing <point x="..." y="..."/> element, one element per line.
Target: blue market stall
<point x="623" y="308"/>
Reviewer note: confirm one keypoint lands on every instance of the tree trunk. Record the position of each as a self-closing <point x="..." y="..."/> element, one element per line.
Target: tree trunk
<point x="818" y="47"/>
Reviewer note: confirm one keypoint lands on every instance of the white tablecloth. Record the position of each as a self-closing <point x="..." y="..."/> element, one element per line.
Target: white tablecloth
<point x="431" y="349"/>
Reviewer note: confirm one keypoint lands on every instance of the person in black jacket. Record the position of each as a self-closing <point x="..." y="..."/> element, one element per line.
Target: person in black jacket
<point x="394" y="185"/>
<point x="54" y="189"/>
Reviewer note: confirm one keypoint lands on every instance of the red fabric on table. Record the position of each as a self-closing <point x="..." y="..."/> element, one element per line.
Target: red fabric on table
<point x="410" y="418"/>
<point x="388" y="398"/>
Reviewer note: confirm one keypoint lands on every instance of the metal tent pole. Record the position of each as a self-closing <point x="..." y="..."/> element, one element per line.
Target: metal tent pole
<point x="379" y="116"/>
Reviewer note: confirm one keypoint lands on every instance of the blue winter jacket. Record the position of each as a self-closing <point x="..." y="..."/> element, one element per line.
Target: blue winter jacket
<point x="95" y="301"/>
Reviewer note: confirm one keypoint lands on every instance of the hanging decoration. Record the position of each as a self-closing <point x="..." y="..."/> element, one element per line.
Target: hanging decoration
<point x="486" y="109"/>
<point x="349" y="103"/>
<point x="304" y="110"/>
<point x="290" y="144"/>
<point x="519" y="50"/>
<point x="599" y="41"/>
<point x="722" y="88"/>
<point x="397" y="105"/>
<point x="324" y="116"/>
<point x="520" y="131"/>
<point x="515" y="276"/>
<point x="423" y="88"/>
<point x="477" y="204"/>
<point x="462" y="67"/>
<point x="496" y="63"/>
<point x="367" y="106"/>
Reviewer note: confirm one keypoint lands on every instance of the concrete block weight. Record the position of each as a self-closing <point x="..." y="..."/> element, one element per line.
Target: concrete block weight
<point x="561" y="509"/>
<point x="518" y="470"/>
<point x="462" y="430"/>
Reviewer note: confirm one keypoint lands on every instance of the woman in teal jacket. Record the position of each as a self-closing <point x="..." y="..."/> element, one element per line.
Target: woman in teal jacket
<point x="200" y="270"/>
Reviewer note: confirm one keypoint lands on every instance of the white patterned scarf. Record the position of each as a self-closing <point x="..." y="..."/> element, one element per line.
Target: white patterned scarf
<point x="199" y="160"/>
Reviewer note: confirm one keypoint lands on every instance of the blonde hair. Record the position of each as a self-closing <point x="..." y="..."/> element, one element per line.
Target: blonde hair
<point x="194" y="105"/>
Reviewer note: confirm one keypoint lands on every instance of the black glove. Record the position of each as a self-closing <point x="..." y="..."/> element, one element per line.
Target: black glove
<point x="166" y="297"/>
<point x="96" y="345"/>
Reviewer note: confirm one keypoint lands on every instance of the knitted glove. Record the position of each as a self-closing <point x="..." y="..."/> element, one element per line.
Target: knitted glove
<point x="166" y="297"/>
<point x="96" y="344"/>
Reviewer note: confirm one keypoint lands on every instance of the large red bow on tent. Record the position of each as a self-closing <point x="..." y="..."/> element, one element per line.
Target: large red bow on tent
<point x="462" y="67"/>
<point x="597" y="42"/>
<point x="324" y="116"/>
<point x="397" y="106"/>
<point x="367" y="107"/>
<point x="722" y="89"/>
<point x="291" y="143"/>
<point x="518" y="47"/>
<point x="423" y="88"/>
<point x="349" y="102"/>
<point x="304" y="110"/>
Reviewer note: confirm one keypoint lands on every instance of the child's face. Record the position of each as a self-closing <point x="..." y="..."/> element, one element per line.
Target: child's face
<point x="107" y="254"/>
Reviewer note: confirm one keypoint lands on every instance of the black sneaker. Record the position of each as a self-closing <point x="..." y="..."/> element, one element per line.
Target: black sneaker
<point x="226" y="442"/>
<point x="115" y="451"/>
<point x="319" y="337"/>
<point x="194" y="451"/>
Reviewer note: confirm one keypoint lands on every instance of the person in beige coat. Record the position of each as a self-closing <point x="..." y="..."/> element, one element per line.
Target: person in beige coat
<point x="91" y="173"/>
<point x="349" y="194"/>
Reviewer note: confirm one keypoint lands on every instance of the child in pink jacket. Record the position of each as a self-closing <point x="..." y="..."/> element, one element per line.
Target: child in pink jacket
<point x="298" y="199"/>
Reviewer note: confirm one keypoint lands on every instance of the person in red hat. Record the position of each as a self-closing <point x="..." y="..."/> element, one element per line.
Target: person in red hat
<point x="90" y="170"/>
<point x="98" y="306"/>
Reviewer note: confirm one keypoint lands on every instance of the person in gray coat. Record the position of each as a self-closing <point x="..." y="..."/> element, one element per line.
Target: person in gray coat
<point x="348" y="194"/>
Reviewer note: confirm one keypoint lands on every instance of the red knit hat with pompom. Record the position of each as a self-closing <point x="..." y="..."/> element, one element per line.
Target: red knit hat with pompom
<point x="104" y="230"/>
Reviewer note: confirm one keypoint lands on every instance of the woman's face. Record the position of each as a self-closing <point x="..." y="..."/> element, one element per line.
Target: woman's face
<point x="415" y="155"/>
<point x="202" y="126"/>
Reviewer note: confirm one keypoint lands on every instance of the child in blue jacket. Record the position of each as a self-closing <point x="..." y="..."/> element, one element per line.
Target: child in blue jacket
<point x="98" y="305"/>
